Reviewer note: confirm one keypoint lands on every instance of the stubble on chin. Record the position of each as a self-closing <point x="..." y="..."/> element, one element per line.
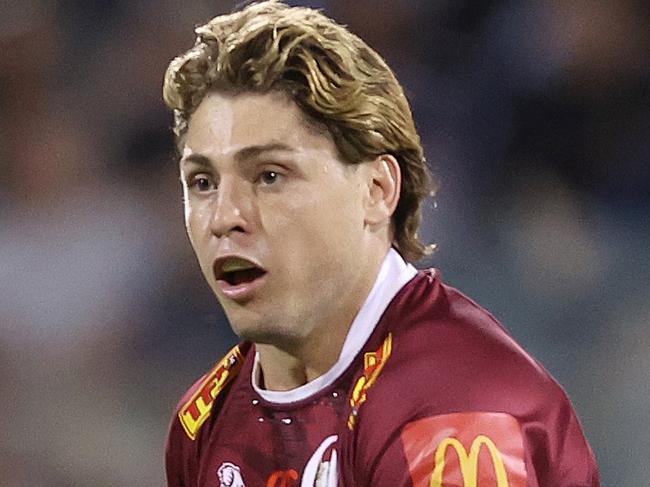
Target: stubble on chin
<point x="267" y="334"/>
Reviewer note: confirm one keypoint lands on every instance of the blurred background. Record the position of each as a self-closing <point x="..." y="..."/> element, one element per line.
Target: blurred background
<point x="535" y="116"/>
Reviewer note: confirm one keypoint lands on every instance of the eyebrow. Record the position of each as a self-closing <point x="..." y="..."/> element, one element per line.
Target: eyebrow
<point x="244" y="154"/>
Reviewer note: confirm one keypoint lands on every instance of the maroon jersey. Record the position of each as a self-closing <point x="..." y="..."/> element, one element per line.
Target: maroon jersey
<point x="437" y="395"/>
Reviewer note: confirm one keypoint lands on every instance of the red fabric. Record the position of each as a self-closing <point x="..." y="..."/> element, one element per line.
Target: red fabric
<point x="451" y="371"/>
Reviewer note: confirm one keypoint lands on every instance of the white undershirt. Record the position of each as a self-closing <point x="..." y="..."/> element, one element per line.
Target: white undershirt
<point x="393" y="275"/>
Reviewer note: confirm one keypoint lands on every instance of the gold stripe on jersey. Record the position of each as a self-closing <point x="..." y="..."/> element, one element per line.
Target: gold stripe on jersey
<point x="373" y="363"/>
<point x="194" y="413"/>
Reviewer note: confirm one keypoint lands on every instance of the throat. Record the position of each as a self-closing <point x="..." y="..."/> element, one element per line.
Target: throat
<point x="281" y="371"/>
<point x="289" y="380"/>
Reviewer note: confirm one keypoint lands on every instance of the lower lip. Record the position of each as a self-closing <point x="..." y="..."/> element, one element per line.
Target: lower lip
<point x="241" y="292"/>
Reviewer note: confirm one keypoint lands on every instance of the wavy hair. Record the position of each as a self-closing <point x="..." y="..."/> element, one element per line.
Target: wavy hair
<point x="331" y="74"/>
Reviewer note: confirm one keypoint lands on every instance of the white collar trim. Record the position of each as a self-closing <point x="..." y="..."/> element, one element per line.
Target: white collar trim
<point x="393" y="275"/>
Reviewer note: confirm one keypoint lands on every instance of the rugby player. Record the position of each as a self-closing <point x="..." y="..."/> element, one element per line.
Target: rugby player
<point x="303" y="178"/>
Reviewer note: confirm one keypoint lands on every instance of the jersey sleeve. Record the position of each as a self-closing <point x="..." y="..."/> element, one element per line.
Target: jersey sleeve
<point x="181" y="451"/>
<point x="557" y="450"/>
<point x="196" y="409"/>
<point x="459" y="403"/>
<point x="469" y="449"/>
<point x="180" y="459"/>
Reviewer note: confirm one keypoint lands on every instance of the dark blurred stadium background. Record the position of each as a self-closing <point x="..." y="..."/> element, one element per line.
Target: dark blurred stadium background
<point x="535" y="115"/>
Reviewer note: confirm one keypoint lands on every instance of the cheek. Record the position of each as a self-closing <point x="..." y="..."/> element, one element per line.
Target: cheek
<point x="342" y="212"/>
<point x="319" y="225"/>
<point x="193" y="228"/>
<point x="195" y="222"/>
<point x="195" y="211"/>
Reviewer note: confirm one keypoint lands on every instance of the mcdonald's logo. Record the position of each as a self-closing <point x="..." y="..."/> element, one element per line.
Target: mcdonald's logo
<point x="468" y="462"/>
<point x="477" y="449"/>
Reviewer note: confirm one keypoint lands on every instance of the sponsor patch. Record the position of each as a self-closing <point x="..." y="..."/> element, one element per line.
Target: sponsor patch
<point x="194" y="413"/>
<point x="478" y="449"/>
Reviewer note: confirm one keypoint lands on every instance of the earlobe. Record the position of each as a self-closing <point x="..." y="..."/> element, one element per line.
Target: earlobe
<point x="384" y="180"/>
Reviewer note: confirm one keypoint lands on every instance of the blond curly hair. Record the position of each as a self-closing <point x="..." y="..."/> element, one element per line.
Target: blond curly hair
<point x="332" y="75"/>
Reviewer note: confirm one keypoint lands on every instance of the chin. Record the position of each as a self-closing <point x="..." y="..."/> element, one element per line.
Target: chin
<point x="268" y="335"/>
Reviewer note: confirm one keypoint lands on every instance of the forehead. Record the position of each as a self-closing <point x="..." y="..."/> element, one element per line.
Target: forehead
<point x="226" y="123"/>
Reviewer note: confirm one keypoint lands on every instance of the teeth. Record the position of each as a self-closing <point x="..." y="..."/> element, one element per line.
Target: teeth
<point x="236" y="264"/>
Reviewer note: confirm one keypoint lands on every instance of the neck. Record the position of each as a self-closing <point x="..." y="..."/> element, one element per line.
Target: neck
<point x="284" y="371"/>
<point x="285" y="368"/>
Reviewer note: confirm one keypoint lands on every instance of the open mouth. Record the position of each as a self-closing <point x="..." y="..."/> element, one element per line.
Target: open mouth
<point x="236" y="271"/>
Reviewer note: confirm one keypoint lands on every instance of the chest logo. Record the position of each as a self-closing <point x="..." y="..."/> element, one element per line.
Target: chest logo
<point x="373" y="363"/>
<point x="194" y="413"/>
<point x="230" y="475"/>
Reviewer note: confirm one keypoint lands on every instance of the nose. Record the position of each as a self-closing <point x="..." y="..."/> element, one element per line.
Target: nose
<point x="230" y="209"/>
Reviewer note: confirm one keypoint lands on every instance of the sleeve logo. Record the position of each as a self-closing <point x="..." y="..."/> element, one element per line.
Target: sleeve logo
<point x="465" y="449"/>
<point x="468" y="461"/>
<point x="194" y="413"/>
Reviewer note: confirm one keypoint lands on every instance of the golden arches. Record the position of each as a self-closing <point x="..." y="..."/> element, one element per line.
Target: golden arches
<point x="468" y="461"/>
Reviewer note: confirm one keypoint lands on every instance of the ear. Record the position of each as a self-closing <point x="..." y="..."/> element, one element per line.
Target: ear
<point x="384" y="179"/>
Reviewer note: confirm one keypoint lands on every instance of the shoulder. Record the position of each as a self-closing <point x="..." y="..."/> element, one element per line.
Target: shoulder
<point x="198" y="401"/>
<point x="450" y="354"/>
<point x="456" y="380"/>
<point x="193" y="410"/>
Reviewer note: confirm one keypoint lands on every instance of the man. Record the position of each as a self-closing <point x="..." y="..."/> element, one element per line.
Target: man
<point x="303" y="177"/>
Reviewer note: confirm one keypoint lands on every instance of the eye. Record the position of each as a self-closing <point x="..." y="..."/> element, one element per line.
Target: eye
<point x="201" y="183"/>
<point x="269" y="177"/>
